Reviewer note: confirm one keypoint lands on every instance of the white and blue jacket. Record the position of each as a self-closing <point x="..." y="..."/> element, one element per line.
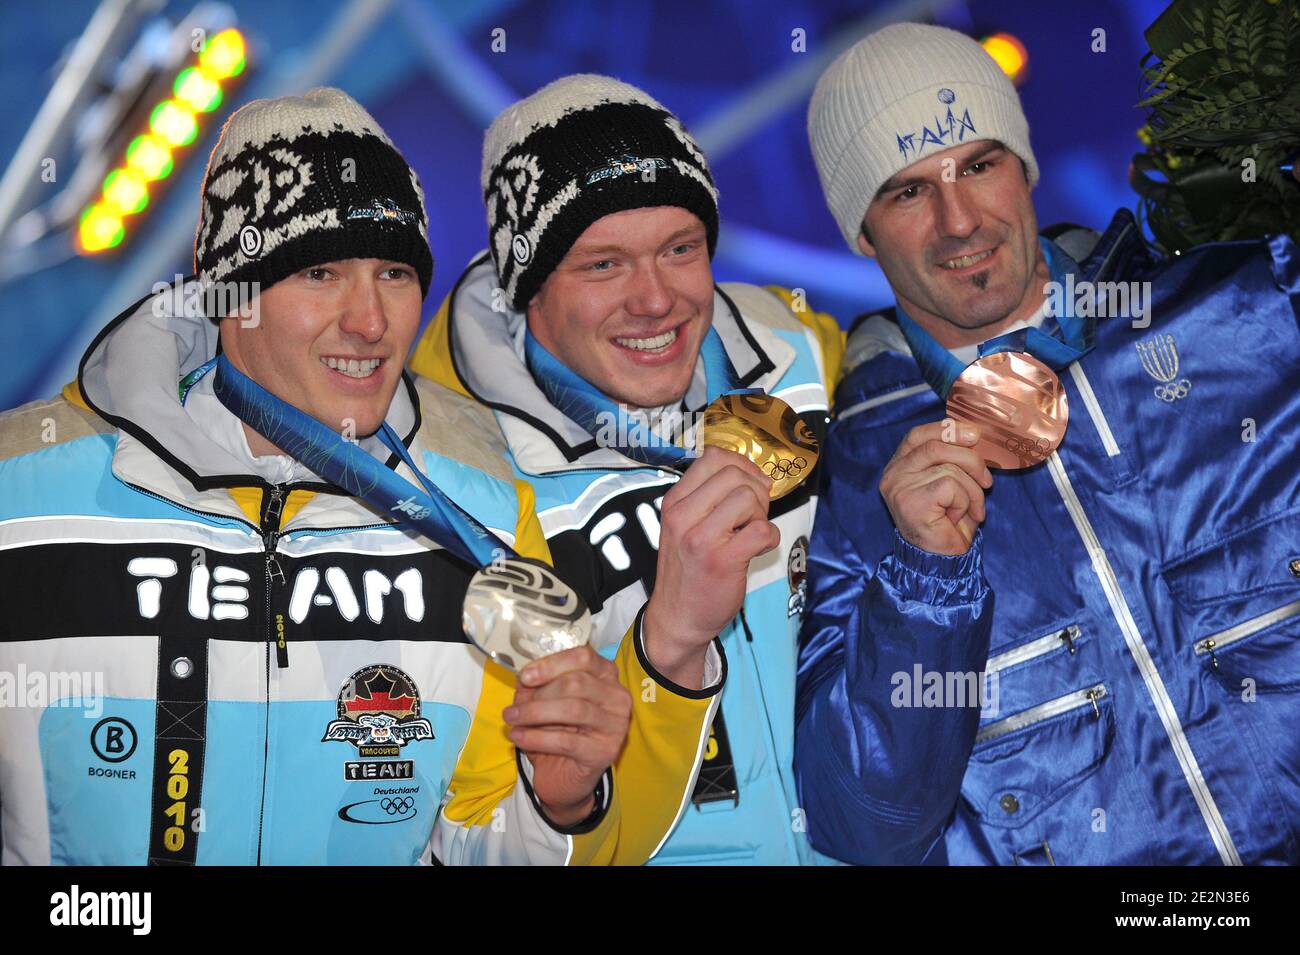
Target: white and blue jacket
<point x="599" y="510"/>
<point x="207" y="657"/>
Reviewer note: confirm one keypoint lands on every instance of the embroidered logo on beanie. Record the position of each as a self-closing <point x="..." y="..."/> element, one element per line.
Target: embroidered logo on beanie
<point x="942" y="133"/>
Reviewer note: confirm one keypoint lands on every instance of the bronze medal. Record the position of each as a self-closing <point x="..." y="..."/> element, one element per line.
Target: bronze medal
<point x="768" y="432"/>
<point x="517" y="610"/>
<point x="1018" y="406"/>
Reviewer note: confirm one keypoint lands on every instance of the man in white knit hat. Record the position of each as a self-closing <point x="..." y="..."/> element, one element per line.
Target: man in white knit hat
<point x="1139" y="607"/>
<point x="593" y="318"/>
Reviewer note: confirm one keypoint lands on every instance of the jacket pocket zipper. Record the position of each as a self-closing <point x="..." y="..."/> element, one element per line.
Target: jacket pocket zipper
<point x="1034" y="649"/>
<point x="1044" y="711"/>
<point x="1243" y="630"/>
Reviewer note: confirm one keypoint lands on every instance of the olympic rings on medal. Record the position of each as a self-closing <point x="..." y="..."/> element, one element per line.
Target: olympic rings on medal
<point x="1035" y="449"/>
<point x="776" y="469"/>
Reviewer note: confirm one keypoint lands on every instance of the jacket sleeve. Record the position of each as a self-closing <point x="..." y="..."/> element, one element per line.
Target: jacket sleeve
<point x="878" y="774"/>
<point x="493" y="816"/>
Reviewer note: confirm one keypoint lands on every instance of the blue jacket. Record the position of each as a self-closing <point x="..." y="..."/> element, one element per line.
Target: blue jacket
<point x="1145" y="638"/>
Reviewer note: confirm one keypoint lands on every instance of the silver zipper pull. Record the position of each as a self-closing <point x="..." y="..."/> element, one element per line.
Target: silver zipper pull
<point x="1209" y="646"/>
<point x="273" y="570"/>
<point x="1069" y="635"/>
<point x="1093" y="696"/>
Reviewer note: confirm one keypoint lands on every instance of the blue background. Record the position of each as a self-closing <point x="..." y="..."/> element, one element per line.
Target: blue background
<point x="426" y="70"/>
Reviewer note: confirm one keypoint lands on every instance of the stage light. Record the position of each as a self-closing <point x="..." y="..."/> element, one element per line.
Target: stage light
<point x="197" y="91"/>
<point x="150" y="157"/>
<point x="223" y="56"/>
<point x="174" y="123"/>
<point x="99" y="229"/>
<point x="1009" y="53"/>
<point x="125" y="192"/>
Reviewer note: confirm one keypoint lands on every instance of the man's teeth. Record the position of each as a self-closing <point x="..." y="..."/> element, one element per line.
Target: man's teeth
<point x="967" y="260"/>
<point x="658" y="343"/>
<point x="353" y="367"/>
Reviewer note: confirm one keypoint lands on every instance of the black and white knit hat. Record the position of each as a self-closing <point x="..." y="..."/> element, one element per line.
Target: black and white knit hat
<point x="302" y="180"/>
<point x="579" y="149"/>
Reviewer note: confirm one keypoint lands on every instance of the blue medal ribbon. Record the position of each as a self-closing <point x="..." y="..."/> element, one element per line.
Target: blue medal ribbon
<point x="588" y="406"/>
<point x="1077" y="335"/>
<point x="346" y="464"/>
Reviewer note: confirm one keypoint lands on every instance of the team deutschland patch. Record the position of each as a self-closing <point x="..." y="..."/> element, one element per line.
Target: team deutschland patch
<point x="378" y="712"/>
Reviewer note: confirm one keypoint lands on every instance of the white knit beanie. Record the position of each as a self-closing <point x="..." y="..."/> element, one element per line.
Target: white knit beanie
<point x="901" y="94"/>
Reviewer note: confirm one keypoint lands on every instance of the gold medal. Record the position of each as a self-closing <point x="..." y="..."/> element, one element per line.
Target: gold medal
<point x="1017" y="404"/>
<point x="517" y="610"/>
<point x="768" y="432"/>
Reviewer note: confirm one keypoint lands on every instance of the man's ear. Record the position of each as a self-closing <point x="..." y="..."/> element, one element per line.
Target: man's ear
<point x="864" y="242"/>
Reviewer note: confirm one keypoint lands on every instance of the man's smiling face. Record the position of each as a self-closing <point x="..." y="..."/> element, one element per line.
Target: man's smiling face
<point x="331" y="340"/>
<point x="957" y="237"/>
<point x="629" y="305"/>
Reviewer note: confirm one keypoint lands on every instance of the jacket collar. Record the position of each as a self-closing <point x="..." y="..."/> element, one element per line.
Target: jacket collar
<point x="192" y="454"/>
<point x="487" y="357"/>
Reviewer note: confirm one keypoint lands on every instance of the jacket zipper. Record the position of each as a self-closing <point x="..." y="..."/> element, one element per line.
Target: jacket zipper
<point x="1094" y="409"/>
<point x="1242" y="630"/>
<point x="1044" y="711"/>
<point x="1065" y="637"/>
<point x="1151" y="678"/>
<point x="270" y="529"/>
<point x="272" y="508"/>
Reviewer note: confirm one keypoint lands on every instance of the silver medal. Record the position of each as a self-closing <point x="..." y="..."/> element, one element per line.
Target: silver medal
<point x="518" y="610"/>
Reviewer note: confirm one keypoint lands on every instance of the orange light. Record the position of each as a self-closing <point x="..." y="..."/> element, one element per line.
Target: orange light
<point x="223" y="56"/>
<point x="100" y="229"/>
<point x="1009" y="53"/>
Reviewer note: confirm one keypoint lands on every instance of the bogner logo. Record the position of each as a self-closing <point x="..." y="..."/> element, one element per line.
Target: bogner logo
<point x="222" y="593"/>
<point x="378" y="712"/>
